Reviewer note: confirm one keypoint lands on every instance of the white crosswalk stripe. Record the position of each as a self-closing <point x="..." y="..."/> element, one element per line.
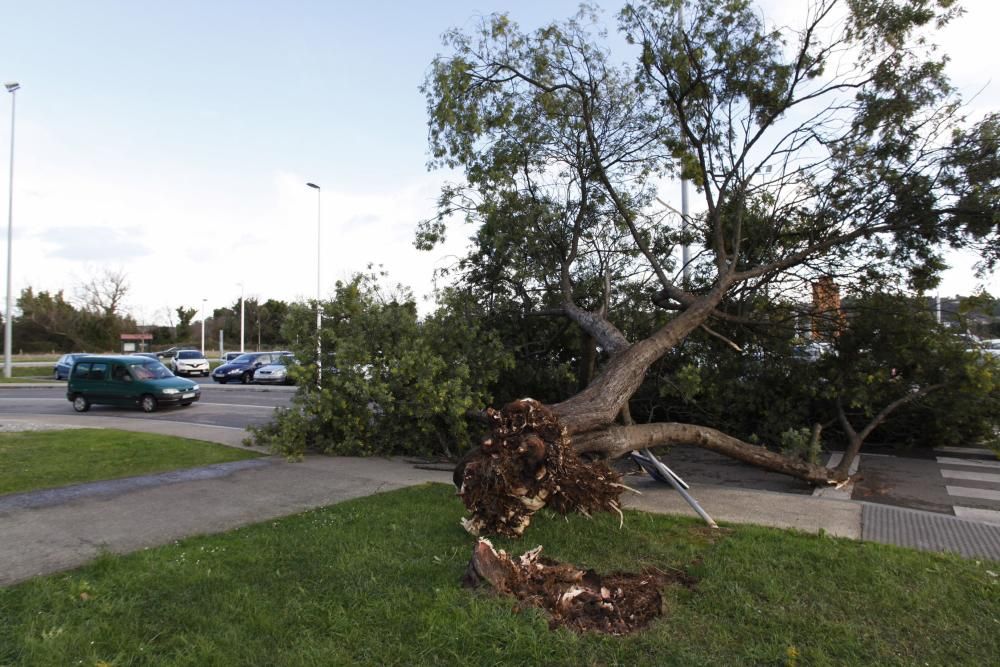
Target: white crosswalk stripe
<point x="973" y="492"/>
<point x="949" y="460"/>
<point x="979" y="501"/>
<point x="972" y="476"/>
<point x="977" y="514"/>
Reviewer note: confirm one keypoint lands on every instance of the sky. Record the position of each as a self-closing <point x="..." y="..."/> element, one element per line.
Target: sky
<point x="173" y="141"/>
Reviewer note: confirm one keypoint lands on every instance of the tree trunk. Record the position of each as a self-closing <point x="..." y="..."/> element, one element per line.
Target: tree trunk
<point x="588" y="361"/>
<point x="597" y="406"/>
<point x="857" y="439"/>
<point x="617" y="441"/>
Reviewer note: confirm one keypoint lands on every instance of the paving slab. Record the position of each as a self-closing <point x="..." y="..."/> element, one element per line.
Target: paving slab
<point x="929" y="531"/>
<point x="841" y="518"/>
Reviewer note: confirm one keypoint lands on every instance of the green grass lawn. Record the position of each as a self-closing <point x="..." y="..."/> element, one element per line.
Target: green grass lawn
<point x="376" y="582"/>
<point x="32" y="460"/>
<point x="29" y="373"/>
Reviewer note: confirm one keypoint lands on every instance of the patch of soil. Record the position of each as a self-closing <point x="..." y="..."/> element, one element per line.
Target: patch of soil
<point x="582" y="600"/>
<point x="525" y="464"/>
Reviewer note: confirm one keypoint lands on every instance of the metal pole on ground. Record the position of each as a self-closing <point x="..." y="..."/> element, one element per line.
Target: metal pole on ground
<point x="662" y="473"/>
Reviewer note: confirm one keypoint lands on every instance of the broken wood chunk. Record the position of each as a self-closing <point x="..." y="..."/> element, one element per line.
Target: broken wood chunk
<point x="580" y="600"/>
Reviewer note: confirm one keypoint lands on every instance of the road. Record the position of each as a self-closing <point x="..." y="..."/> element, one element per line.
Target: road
<point x="233" y="406"/>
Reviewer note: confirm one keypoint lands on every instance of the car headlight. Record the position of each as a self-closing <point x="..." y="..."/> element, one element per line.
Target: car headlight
<point x="195" y="388"/>
<point x="169" y="391"/>
<point x="235" y="371"/>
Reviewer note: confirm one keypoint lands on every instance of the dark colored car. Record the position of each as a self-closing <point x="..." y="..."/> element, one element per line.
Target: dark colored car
<point x="241" y="369"/>
<point x="127" y="381"/>
<point x="65" y="364"/>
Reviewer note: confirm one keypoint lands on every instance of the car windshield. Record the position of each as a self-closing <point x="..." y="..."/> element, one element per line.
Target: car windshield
<point x="245" y="359"/>
<point x="284" y="360"/>
<point x="149" y="370"/>
<point x="189" y="354"/>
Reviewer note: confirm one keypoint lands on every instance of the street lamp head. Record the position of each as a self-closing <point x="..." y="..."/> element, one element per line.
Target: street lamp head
<point x="313" y="185"/>
<point x="11" y="86"/>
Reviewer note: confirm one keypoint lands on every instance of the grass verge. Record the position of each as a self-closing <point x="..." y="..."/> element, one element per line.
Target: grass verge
<point x="32" y="460"/>
<point x="375" y="581"/>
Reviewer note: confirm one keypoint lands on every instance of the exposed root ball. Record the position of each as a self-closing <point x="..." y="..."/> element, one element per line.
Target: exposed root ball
<point x="581" y="600"/>
<point x="525" y="464"/>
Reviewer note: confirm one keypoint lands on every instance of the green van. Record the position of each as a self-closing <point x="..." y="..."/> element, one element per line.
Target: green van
<point x="127" y="381"/>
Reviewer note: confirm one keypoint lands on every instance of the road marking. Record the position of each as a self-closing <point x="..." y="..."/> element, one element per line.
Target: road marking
<point x="948" y="460"/>
<point x="977" y="514"/>
<point x="965" y="450"/>
<point x="971" y="476"/>
<point x="237" y="405"/>
<point x="968" y="492"/>
<point x="222" y="405"/>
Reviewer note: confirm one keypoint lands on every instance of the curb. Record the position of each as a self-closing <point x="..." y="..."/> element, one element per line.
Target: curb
<point x="204" y="383"/>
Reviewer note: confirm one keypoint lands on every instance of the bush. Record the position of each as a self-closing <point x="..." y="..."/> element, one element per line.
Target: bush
<point x="392" y="384"/>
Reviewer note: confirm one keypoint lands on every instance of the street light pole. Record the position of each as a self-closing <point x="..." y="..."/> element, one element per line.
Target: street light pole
<point x="242" y="318"/>
<point x="319" y="319"/>
<point x="8" y="324"/>
<point x="203" y="326"/>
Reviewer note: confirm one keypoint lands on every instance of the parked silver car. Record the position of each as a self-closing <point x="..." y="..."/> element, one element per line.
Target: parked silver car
<point x="275" y="372"/>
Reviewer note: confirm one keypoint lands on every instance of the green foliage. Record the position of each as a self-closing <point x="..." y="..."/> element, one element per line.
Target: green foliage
<point x="184" y="317"/>
<point x="798" y="443"/>
<point x="49" y="322"/>
<point x="262" y="323"/>
<point x="773" y="392"/>
<point x="391" y="383"/>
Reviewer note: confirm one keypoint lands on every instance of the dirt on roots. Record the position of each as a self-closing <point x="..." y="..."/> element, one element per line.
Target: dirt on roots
<point x="581" y="600"/>
<point x="527" y="463"/>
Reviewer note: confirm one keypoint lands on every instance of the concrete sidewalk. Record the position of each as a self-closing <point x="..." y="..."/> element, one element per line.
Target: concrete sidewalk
<point x="41" y="537"/>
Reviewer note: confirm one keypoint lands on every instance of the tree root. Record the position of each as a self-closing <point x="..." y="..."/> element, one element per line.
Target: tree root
<point x="525" y="464"/>
<point x="581" y="600"/>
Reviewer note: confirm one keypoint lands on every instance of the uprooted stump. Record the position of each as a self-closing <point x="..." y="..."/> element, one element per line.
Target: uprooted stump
<point x="525" y="464"/>
<point x="580" y="600"/>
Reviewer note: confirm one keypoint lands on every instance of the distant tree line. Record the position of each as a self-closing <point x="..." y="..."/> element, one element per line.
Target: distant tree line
<point x="95" y="317"/>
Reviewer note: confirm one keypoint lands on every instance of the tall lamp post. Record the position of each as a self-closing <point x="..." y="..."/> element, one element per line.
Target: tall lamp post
<point x="319" y="339"/>
<point x="7" y="325"/>
<point x="242" y="318"/>
<point x="203" y="326"/>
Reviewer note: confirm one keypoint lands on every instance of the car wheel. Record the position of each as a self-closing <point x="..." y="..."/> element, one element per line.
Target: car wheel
<point x="186" y="405"/>
<point x="80" y="403"/>
<point x="148" y="403"/>
<point x="246" y="378"/>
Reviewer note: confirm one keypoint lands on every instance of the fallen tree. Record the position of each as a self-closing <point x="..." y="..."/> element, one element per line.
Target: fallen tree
<point x="833" y="152"/>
